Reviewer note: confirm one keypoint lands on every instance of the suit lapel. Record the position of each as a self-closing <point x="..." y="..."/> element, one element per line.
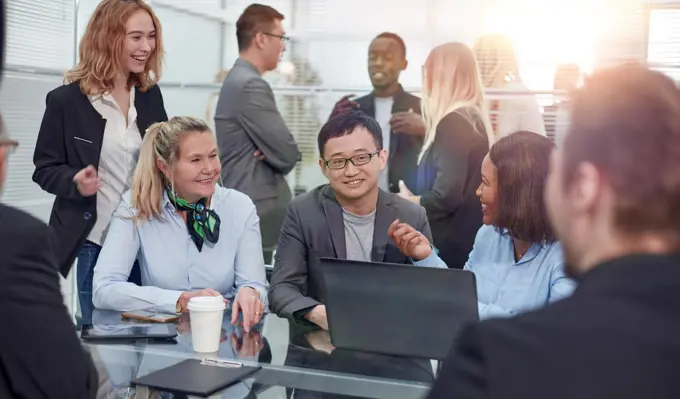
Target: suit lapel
<point x="384" y="216"/>
<point x="336" y="225"/>
<point x="142" y="111"/>
<point x="89" y="155"/>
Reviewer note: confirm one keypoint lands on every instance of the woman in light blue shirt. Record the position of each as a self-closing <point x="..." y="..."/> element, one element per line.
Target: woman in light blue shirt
<point x="191" y="237"/>
<point x="516" y="259"/>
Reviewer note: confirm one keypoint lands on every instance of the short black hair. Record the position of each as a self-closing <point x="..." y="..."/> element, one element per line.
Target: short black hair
<point x="395" y="37"/>
<point x="344" y="123"/>
<point x="522" y="160"/>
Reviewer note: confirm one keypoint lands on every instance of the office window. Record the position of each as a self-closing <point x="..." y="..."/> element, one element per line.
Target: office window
<point x="663" y="45"/>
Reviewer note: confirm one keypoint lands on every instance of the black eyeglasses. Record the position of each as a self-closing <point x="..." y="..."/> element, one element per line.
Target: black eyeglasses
<point x="357" y="160"/>
<point x="283" y="38"/>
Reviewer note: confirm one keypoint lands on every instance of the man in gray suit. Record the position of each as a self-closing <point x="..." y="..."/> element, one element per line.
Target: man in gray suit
<point x="365" y="223"/>
<point x="256" y="148"/>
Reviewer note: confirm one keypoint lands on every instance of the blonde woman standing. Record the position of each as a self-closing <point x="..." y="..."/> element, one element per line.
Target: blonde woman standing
<point x="457" y="138"/>
<point x="499" y="69"/>
<point x="92" y="129"/>
<point x="175" y="192"/>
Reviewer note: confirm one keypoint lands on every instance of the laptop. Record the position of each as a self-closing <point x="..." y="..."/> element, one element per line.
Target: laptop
<point x="394" y="309"/>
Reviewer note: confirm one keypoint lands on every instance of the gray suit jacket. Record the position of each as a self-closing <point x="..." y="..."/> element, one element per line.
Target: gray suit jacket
<point x="247" y="120"/>
<point x="314" y="228"/>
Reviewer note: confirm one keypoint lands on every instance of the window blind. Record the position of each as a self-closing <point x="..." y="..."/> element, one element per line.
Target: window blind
<point x="40" y="35"/>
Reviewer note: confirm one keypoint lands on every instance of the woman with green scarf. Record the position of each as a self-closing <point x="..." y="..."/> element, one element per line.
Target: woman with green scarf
<point x="191" y="236"/>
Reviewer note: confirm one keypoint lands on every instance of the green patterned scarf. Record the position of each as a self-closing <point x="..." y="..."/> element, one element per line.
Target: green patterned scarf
<point x="203" y="223"/>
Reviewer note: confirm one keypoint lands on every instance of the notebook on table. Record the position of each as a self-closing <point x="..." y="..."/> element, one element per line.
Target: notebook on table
<point x="197" y="377"/>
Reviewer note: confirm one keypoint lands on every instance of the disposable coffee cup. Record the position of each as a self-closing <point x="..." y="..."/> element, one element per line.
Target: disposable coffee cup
<point x="206" y="314"/>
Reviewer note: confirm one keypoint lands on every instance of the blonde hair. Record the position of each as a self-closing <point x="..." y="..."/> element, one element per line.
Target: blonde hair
<point x="497" y="60"/>
<point x="102" y="44"/>
<point x="451" y="84"/>
<point x="161" y="142"/>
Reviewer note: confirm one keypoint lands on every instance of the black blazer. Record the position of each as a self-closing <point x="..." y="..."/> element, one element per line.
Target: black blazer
<point x="617" y="336"/>
<point x="448" y="177"/>
<point x="40" y="355"/>
<point x="314" y="228"/>
<point x="404" y="148"/>
<point x="70" y="139"/>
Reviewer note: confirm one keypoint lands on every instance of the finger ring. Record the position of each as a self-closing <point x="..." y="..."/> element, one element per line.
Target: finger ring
<point x="258" y="313"/>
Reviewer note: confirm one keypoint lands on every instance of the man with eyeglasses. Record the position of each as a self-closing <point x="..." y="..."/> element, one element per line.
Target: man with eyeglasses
<point x="256" y="148"/>
<point x="350" y="218"/>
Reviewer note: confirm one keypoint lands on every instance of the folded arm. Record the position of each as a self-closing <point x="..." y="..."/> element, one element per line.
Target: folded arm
<point x="111" y="289"/>
<point x="266" y="128"/>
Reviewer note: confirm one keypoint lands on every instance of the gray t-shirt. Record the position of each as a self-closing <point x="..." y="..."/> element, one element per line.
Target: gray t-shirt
<point x="358" y="235"/>
<point x="383" y="114"/>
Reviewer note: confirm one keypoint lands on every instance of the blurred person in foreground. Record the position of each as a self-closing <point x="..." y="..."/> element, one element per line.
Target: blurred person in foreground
<point x="613" y="197"/>
<point x="397" y="111"/>
<point x="40" y="355"/>
<point x="517" y="261"/>
<point x="256" y="148"/>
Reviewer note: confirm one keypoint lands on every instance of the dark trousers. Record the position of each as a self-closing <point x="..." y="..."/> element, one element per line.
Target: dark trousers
<point x="87" y="259"/>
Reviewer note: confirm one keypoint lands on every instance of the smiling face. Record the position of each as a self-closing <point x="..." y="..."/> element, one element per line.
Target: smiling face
<point x="139" y="42"/>
<point x="197" y="168"/>
<point x="353" y="182"/>
<point x="386" y="60"/>
<point x="488" y="191"/>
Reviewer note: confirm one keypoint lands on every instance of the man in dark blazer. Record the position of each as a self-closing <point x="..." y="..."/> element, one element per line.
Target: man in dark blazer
<point x="613" y="196"/>
<point x="256" y="148"/>
<point x="351" y="218"/>
<point x="397" y="111"/>
<point x="40" y="355"/>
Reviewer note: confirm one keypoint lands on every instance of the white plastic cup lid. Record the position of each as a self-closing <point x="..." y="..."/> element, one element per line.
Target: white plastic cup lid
<point x="206" y="303"/>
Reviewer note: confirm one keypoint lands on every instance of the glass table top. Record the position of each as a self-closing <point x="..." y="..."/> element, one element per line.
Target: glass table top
<point x="296" y="363"/>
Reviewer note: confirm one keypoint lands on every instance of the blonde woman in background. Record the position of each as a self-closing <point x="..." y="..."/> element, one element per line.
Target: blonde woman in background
<point x="499" y="69"/>
<point x="457" y="138"/>
<point x="175" y="192"/>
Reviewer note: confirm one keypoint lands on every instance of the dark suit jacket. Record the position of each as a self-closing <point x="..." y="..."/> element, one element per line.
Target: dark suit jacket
<point x="247" y="120"/>
<point x="40" y="354"/>
<point x="314" y="228"/>
<point x="617" y="336"/>
<point x="404" y="148"/>
<point x="70" y="139"/>
<point x="448" y="177"/>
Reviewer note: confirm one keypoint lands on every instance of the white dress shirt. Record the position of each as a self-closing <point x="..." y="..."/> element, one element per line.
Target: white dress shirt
<point x="119" y="154"/>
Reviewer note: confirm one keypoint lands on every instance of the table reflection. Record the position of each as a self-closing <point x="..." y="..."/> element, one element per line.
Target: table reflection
<point x="126" y="361"/>
<point x="313" y="349"/>
<point x="297" y="362"/>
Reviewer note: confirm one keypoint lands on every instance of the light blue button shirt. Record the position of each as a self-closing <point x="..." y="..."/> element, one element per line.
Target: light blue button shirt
<point x="505" y="287"/>
<point x="170" y="261"/>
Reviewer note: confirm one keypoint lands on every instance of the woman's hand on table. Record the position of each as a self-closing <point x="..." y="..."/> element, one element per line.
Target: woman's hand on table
<point x="183" y="301"/>
<point x="248" y="302"/>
